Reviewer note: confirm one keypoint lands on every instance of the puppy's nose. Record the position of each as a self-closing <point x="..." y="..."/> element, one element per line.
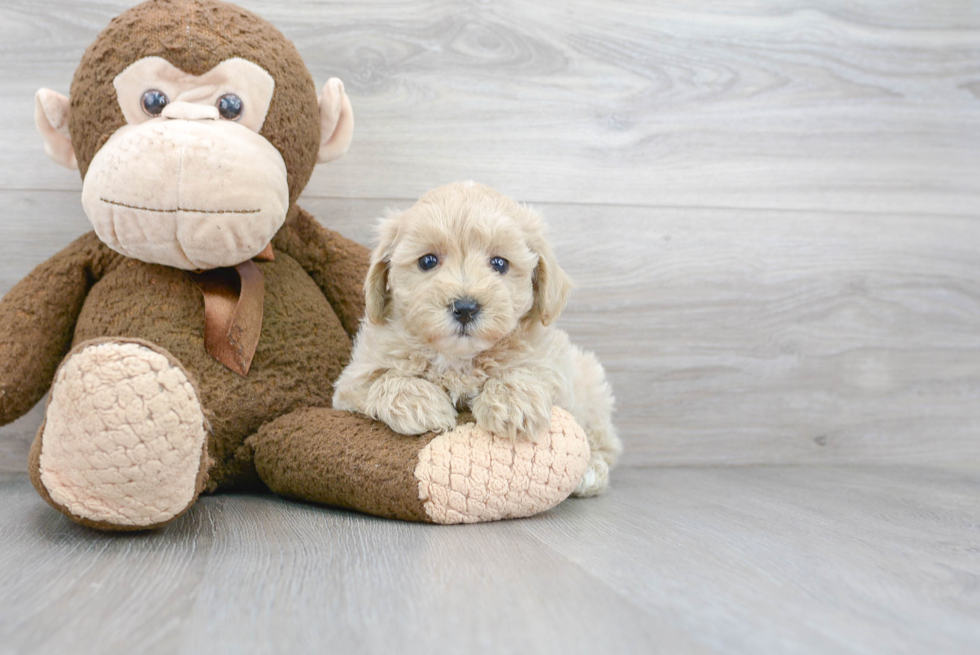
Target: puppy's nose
<point x="465" y="310"/>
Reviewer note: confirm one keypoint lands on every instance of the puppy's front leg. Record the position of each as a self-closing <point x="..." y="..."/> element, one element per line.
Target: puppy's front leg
<point x="410" y="405"/>
<point x="515" y="404"/>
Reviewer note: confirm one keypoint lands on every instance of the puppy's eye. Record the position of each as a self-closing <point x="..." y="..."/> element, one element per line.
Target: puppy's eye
<point x="428" y="262"/>
<point x="153" y="102"/>
<point x="499" y="264"/>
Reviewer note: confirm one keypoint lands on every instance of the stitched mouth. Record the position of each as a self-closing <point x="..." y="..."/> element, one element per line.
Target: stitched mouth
<point x="181" y="209"/>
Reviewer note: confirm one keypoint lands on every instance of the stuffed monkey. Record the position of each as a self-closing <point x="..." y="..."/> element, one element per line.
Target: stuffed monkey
<point x="190" y="342"/>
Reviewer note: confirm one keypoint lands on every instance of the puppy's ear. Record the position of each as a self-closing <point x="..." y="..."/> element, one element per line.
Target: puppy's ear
<point x="551" y="284"/>
<point x="376" y="285"/>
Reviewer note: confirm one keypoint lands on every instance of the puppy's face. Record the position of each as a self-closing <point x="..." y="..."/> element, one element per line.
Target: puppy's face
<point x="462" y="268"/>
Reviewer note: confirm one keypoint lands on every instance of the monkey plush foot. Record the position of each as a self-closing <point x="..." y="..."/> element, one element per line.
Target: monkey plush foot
<point x="122" y="446"/>
<point x="466" y="475"/>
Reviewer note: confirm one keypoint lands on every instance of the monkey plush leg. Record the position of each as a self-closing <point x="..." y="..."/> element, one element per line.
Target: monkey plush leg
<point x="464" y="476"/>
<point x="122" y="446"/>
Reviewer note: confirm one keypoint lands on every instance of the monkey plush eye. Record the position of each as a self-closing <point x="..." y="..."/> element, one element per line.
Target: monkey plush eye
<point x="499" y="264"/>
<point x="153" y="102"/>
<point x="230" y="106"/>
<point x="428" y="262"/>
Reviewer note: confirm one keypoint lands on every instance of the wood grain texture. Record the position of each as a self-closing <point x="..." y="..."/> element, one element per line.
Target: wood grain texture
<point x="753" y="560"/>
<point x="772" y="213"/>
<point x="802" y="104"/>
<point x="790" y="560"/>
<point x="730" y="337"/>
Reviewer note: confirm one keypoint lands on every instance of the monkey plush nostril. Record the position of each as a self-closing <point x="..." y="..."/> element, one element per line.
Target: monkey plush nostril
<point x="465" y="310"/>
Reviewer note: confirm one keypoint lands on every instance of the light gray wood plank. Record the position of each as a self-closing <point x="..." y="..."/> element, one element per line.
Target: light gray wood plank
<point x="15" y="442"/>
<point x="730" y="337"/>
<point x="790" y="560"/>
<point x="256" y="574"/>
<point x="754" y="560"/>
<point x="823" y="105"/>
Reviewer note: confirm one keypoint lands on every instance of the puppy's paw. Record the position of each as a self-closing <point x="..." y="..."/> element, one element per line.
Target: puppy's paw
<point x="412" y="406"/>
<point x="596" y="479"/>
<point x="509" y="409"/>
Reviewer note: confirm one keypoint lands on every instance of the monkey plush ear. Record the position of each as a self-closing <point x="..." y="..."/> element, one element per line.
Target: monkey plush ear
<point x="336" y="121"/>
<point x="51" y="117"/>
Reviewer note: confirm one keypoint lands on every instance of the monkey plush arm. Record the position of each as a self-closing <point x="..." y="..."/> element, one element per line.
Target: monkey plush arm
<point x="37" y="322"/>
<point x="337" y="264"/>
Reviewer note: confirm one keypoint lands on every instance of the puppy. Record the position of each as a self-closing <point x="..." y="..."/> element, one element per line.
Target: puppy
<point x="460" y="295"/>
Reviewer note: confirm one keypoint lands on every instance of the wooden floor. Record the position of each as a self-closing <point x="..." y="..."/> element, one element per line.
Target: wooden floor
<point x="715" y="560"/>
<point x="772" y="213"/>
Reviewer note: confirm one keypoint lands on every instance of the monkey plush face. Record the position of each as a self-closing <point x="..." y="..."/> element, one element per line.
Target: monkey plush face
<point x="195" y="125"/>
<point x="188" y="181"/>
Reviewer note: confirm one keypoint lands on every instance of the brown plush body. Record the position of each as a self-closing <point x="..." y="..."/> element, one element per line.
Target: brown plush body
<point x="303" y="345"/>
<point x="123" y="340"/>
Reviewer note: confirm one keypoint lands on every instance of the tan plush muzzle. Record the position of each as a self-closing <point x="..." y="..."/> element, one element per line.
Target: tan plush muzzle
<point x="192" y="194"/>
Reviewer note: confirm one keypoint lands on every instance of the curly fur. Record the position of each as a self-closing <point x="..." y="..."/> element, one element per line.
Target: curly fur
<point x="414" y="367"/>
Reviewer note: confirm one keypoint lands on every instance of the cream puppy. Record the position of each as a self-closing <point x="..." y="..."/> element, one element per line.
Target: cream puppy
<point x="461" y="295"/>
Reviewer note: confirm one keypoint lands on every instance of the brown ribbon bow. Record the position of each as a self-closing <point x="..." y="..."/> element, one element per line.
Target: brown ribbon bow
<point x="233" y="304"/>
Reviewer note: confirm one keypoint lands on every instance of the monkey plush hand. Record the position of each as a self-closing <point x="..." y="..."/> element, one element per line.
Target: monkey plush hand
<point x="190" y="343"/>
